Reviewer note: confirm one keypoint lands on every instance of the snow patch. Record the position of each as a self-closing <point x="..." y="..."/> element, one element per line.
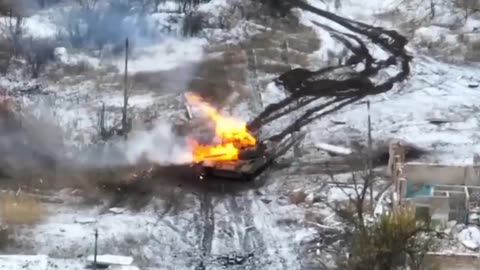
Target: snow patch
<point x="168" y="55"/>
<point x="168" y="6"/>
<point x="213" y="7"/>
<point x="24" y="262"/>
<point x="40" y="26"/>
<point x="136" y="101"/>
<point x="64" y="57"/>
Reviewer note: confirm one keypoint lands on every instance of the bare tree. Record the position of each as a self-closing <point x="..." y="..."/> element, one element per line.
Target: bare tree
<point x="87" y="4"/>
<point x="395" y="241"/>
<point x="37" y="53"/>
<point x="14" y="26"/>
<point x="193" y="24"/>
<point x="157" y="3"/>
<point x="469" y="6"/>
<point x="354" y="213"/>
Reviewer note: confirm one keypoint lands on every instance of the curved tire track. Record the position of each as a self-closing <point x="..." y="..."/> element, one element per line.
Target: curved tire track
<point x="341" y="85"/>
<point x="207" y="213"/>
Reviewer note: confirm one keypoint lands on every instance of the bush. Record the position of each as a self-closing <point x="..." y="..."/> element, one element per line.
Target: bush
<point x="38" y="53"/>
<point x="10" y="7"/>
<point x="3" y="236"/>
<point x="106" y="27"/>
<point x="192" y="24"/>
<point x="20" y="210"/>
<point x="392" y="242"/>
<point x="6" y="54"/>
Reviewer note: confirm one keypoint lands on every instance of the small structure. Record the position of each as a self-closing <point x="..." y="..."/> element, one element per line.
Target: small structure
<point x="445" y="195"/>
<point x="440" y="192"/>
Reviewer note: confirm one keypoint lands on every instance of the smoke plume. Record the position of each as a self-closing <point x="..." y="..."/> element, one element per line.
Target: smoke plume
<point x="159" y="145"/>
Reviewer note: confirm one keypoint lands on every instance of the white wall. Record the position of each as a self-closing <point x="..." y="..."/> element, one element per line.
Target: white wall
<point x="441" y="174"/>
<point x="453" y="261"/>
<point x="439" y="206"/>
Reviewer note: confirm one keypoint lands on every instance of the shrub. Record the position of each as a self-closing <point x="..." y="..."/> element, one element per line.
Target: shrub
<point x="192" y="24"/>
<point x="10" y="7"/>
<point x="3" y="236"/>
<point x="6" y="54"/>
<point x="391" y="242"/>
<point x="38" y="53"/>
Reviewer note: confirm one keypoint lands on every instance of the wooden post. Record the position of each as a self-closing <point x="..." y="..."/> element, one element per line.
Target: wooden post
<point x="95" y="250"/>
<point x="103" y="131"/>
<point x="285" y="55"/>
<point x="125" y="94"/>
<point x="252" y="65"/>
<point x="187" y="107"/>
<point x="370" y="154"/>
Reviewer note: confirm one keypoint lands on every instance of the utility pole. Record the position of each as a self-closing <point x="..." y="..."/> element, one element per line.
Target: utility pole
<point x="125" y="94"/>
<point x="103" y="131"/>
<point x="285" y="54"/>
<point x="370" y="154"/>
<point x="252" y="66"/>
<point x="95" y="251"/>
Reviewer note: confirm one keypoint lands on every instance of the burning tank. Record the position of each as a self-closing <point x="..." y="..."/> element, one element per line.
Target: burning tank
<point x="251" y="162"/>
<point x="229" y="150"/>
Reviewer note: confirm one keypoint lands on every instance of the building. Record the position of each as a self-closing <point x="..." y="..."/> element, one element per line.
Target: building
<point x="440" y="192"/>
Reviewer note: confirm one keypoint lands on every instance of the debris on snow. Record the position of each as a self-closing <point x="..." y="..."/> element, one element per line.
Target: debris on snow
<point x="470" y="244"/>
<point x="123" y="267"/>
<point x="85" y="220"/>
<point x="310" y="199"/>
<point x="332" y="149"/>
<point x="116" y="210"/>
<point x="470" y="237"/>
<point x="108" y="259"/>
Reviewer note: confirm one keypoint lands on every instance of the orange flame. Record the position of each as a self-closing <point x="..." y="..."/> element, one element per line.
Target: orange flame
<point x="232" y="134"/>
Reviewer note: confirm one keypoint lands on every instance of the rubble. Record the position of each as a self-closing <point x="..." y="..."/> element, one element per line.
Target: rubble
<point x="234" y="259"/>
<point x="470" y="238"/>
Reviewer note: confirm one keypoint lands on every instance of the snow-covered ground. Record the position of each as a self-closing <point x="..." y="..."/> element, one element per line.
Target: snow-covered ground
<point x="262" y="228"/>
<point x="434" y="90"/>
